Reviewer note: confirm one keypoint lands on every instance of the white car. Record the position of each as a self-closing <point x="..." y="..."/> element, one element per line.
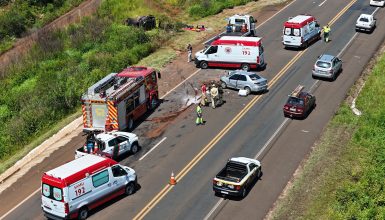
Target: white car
<point x="365" y="22"/>
<point x="379" y="3"/>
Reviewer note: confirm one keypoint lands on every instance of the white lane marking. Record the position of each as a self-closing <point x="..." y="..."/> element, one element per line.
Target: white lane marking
<point x="275" y="14"/>
<point x="180" y="83"/>
<point x="271" y="138"/>
<point x="322" y="3"/>
<point x="11" y="210"/>
<point x="213" y="209"/>
<point x="156" y="145"/>
<point x="375" y="11"/>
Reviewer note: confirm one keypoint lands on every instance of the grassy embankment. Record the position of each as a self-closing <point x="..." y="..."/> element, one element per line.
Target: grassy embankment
<point x="41" y="93"/>
<point x="19" y="16"/>
<point x="344" y="176"/>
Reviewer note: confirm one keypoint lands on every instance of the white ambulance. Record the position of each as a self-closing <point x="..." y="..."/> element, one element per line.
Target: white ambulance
<point x="232" y="52"/>
<point x="300" y="31"/>
<point x="73" y="189"/>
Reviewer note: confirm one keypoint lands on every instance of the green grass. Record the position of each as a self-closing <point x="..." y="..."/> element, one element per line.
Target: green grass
<point x="344" y="176"/>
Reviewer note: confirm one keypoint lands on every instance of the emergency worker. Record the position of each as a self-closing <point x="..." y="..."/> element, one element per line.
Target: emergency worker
<point x="199" y="120"/>
<point x="189" y="53"/>
<point x="213" y="95"/>
<point x="326" y="30"/>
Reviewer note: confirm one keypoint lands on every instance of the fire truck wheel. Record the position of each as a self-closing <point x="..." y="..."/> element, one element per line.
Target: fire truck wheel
<point x="245" y="67"/>
<point x="83" y="213"/>
<point x="204" y="65"/>
<point x="130" y="188"/>
<point x="134" y="148"/>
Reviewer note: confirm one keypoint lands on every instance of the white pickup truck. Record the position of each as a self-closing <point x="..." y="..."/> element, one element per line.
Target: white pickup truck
<point x="365" y="22"/>
<point x="110" y="144"/>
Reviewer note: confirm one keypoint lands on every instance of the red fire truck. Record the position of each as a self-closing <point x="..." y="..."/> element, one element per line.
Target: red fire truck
<point x="117" y="100"/>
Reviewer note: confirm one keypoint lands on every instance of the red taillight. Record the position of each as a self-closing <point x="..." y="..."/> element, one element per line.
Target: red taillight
<point x="66" y="208"/>
<point x="237" y="187"/>
<point x="258" y="59"/>
<point x="215" y="182"/>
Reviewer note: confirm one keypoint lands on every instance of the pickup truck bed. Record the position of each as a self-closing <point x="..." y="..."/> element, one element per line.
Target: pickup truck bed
<point x="233" y="172"/>
<point x="237" y="176"/>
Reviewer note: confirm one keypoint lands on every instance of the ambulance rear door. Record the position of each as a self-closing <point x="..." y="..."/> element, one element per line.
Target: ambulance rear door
<point x="292" y="36"/>
<point x="53" y="200"/>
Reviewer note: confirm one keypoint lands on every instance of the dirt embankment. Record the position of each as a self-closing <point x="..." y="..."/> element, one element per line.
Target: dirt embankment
<point x="22" y="45"/>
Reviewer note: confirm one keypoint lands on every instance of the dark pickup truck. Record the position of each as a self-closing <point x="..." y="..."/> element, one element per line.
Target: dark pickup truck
<point x="237" y="176"/>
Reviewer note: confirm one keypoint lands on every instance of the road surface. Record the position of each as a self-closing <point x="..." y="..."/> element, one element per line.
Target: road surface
<point x="251" y="126"/>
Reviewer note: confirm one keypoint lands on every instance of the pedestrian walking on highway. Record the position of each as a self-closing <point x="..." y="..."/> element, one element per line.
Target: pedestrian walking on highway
<point x="189" y="53"/>
<point x="326" y="30"/>
<point x="199" y="120"/>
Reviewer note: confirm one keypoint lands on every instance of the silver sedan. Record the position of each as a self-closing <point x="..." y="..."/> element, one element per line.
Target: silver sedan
<point x="240" y="79"/>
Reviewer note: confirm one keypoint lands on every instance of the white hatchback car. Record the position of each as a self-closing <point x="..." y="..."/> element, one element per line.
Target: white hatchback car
<point x="379" y="3"/>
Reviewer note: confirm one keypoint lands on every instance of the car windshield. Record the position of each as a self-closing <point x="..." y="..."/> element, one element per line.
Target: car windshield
<point x="323" y="64"/>
<point x="295" y="101"/>
<point x="254" y="77"/>
<point x="363" y="19"/>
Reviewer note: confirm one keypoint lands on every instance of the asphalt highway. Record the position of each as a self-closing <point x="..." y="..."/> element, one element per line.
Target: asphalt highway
<point x="251" y="126"/>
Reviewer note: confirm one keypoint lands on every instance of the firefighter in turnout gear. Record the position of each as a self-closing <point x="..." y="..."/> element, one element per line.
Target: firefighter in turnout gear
<point x="214" y="95"/>
<point x="199" y="120"/>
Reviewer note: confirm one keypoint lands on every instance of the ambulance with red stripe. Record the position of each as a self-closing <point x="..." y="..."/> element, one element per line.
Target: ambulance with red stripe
<point x="232" y="52"/>
<point x="300" y="31"/>
<point x="73" y="189"/>
<point x="117" y="100"/>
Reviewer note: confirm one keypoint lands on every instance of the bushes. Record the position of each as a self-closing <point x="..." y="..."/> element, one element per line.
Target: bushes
<point x="210" y="7"/>
<point x="20" y="15"/>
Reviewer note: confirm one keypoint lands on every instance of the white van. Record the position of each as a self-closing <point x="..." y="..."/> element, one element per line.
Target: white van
<point x="71" y="190"/>
<point x="300" y="31"/>
<point x="232" y="52"/>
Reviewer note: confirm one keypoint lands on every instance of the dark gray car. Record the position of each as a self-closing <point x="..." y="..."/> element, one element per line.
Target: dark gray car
<point x="240" y="79"/>
<point x="327" y="66"/>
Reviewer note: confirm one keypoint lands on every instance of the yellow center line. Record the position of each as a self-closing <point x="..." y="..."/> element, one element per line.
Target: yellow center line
<point x="224" y="131"/>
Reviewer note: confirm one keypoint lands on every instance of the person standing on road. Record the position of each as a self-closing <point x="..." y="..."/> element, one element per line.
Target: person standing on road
<point x="189" y="53"/>
<point x="199" y="120"/>
<point x="213" y="95"/>
<point x="326" y="30"/>
<point x="204" y="89"/>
